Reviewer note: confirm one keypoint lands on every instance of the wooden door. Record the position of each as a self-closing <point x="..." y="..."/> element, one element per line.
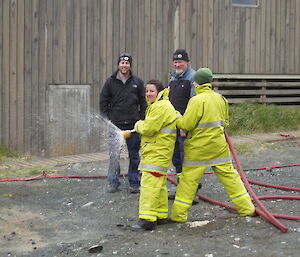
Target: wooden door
<point x="68" y="119"/>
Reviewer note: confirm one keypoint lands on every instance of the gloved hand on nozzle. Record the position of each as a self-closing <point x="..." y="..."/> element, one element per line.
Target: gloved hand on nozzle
<point x="127" y="133"/>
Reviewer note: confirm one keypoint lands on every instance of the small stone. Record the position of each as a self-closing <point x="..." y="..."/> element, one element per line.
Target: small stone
<point x="89" y="204"/>
<point x="95" y="249"/>
<point x="195" y="224"/>
<point x="246" y="248"/>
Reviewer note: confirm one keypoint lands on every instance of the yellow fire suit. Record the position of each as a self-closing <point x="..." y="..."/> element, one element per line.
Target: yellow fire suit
<point x="205" y="118"/>
<point x="158" y="135"/>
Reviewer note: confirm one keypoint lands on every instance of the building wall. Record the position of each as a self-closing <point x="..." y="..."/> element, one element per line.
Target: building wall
<point x="77" y="42"/>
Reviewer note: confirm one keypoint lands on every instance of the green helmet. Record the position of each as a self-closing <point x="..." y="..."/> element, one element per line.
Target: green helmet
<point x="203" y="75"/>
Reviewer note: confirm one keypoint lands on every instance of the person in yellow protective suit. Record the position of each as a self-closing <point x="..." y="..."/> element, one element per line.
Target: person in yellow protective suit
<point x="158" y="136"/>
<point x="205" y="118"/>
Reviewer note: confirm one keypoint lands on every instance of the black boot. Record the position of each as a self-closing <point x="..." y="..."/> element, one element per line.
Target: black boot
<point x="144" y="225"/>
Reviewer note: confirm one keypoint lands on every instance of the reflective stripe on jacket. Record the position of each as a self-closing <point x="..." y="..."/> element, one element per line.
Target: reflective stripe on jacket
<point x="158" y="134"/>
<point x="205" y="118"/>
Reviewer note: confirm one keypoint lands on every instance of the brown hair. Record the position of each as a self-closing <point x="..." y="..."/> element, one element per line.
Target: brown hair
<point x="158" y="84"/>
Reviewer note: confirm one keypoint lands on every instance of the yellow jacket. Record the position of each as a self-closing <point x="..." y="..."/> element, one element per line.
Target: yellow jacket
<point x="205" y="118"/>
<point x="158" y="134"/>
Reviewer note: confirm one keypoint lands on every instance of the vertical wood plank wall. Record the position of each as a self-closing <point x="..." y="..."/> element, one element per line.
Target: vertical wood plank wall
<point x="48" y="42"/>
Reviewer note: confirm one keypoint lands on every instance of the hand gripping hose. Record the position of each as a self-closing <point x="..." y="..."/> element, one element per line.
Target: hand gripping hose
<point x="264" y="212"/>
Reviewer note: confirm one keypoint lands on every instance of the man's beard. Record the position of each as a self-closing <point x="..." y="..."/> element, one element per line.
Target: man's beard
<point x="178" y="71"/>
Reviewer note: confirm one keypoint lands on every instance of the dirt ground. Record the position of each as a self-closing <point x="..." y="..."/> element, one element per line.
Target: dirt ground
<point x="65" y="217"/>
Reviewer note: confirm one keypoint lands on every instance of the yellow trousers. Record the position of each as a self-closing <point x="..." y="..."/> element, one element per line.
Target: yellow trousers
<point x="188" y="184"/>
<point x="153" y="202"/>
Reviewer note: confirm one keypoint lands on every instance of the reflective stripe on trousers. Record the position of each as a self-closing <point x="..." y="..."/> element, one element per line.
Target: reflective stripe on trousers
<point x="148" y="215"/>
<point x="238" y="196"/>
<point x="162" y="213"/>
<point x="182" y="202"/>
<point x="211" y="124"/>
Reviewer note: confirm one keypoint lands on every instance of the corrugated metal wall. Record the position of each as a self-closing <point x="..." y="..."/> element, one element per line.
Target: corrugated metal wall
<point x="77" y="42"/>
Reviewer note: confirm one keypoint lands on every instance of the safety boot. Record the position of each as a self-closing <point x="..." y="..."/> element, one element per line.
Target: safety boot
<point x="144" y="225"/>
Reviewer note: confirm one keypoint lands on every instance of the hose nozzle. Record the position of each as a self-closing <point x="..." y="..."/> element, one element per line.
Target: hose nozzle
<point x="127" y="133"/>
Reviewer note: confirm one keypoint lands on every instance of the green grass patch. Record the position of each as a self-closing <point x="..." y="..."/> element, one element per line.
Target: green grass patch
<point x="7" y="153"/>
<point x="252" y="118"/>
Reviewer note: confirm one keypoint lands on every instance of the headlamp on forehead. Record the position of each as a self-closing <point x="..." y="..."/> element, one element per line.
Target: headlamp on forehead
<point x="125" y="57"/>
<point x="181" y="54"/>
<point x="178" y="56"/>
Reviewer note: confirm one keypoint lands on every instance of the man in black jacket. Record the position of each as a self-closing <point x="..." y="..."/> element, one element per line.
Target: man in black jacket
<point x="122" y="102"/>
<point x="181" y="90"/>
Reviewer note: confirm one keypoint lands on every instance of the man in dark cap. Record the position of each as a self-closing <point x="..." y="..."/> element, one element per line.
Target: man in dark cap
<point x="181" y="90"/>
<point x="122" y="102"/>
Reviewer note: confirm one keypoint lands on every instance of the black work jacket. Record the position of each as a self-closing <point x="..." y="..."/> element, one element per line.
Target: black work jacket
<point x="181" y="89"/>
<point x="180" y="94"/>
<point x="123" y="103"/>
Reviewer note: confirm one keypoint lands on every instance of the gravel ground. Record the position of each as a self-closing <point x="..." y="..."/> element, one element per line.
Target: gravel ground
<point x="65" y="217"/>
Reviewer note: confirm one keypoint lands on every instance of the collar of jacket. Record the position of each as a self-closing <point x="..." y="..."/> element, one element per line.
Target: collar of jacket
<point x="186" y="74"/>
<point x="203" y="88"/>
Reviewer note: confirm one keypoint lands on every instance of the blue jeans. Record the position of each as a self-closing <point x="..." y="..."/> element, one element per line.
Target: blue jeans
<point x="178" y="154"/>
<point x="133" y="146"/>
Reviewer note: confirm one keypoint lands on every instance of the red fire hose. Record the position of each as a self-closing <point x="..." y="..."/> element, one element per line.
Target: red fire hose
<point x="262" y="211"/>
<point x="271" y="217"/>
<point x="45" y="175"/>
<point x="267" y="215"/>
<point x="273" y="186"/>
